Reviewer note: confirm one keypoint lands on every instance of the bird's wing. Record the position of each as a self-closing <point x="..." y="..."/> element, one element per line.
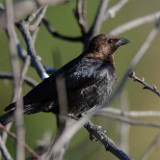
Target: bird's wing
<point x="84" y="75"/>
<point x="38" y="96"/>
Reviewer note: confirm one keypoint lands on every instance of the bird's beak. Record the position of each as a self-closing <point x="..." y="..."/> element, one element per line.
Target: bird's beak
<point x="122" y="41"/>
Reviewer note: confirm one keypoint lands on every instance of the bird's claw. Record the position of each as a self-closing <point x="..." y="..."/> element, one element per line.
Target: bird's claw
<point x="96" y="128"/>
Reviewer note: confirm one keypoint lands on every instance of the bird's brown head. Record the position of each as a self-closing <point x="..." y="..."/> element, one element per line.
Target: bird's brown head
<point x="104" y="46"/>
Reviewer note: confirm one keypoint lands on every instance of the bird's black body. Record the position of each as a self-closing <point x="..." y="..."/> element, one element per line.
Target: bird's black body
<point x="89" y="79"/>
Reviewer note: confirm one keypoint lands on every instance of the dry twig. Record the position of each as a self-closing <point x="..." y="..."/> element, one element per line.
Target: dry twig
<point x="131" y="114"/>
<point x="145" y="85"/>
<point x="14" y="137"/>
<point x="80" y="14"/>
<point x="26" y="7"/>
<point x="151" y="147"/>
<point x="56" y="34"/>
<point x="129" y="121"/>
<point x="135" y="23"/>
<point x="13" y="39"/>
<point x="4" y="151"/>
<point x="28" y="80"/>
<point x="106" y="141"/>
<point x="24" y="28"/>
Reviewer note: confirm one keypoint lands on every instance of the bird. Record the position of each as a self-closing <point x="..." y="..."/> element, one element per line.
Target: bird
<point x="89" y="80"/>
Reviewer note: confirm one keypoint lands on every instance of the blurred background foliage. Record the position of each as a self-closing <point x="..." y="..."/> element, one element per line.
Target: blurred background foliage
<point x="48" y="48"/>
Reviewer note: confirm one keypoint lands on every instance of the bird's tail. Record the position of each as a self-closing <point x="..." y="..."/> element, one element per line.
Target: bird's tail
<point x="7" y="118"/>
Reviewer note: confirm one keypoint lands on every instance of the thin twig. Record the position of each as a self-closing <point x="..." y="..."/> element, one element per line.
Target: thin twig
<point x="106" y="141"/>
<point x="123" y="128"/>
<point x="13" y="39"/>
<point x="6" y="155"/>
<point x="72" y="127"/>
<point x="151" y="147"/>
<point x="56" y="34"/>
<point x="24" y="28"/>
<point x="23" y="74"/>
<point x="19" y="113"/>
<point x="131" y="114"/>
<point x="99" y="19"/>
<point x="14" y="137"/>
<point x="22" y="53"/>
<point x="111" y="12"/>
<point x="33" y="15"/>
<point x="145" y="85"/>
<point x="36" y="26"/>
<point x="4" y="134"/>
<point x="80" y="14"/>
<point x="26" y="7"/>
<point x="128" y="121"/>
<point x="135" y="23"/>
<point x="29" y="81"/>
<point x="63" y="139"/>
<point x="61" y="118"/>
<point x="39" y="18"/>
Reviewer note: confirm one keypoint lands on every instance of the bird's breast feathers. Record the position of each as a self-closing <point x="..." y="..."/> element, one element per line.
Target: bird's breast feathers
<point x="91" y="75"/>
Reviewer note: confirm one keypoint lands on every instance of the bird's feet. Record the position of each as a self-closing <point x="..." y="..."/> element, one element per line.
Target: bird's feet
<point x="95" y="131"/>
<point x="96" y="128"/>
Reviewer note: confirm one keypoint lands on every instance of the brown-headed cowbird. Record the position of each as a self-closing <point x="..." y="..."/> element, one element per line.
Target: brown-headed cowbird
<point x="89" y="79"/>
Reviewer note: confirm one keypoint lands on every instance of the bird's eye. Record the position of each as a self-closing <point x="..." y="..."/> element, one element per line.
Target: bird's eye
<point x="110" y="41"/>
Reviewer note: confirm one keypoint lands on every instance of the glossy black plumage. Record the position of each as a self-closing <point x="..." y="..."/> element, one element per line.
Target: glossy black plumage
<point x="89" y="80"/>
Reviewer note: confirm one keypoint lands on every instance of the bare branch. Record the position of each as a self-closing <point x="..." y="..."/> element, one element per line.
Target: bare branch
<point x="120" y="115"/>
<point x="22" y="53"/>
<point x="36" y="26"/>
<point x="119" y="112"/>
<point x="80" y="14"/>
<point x="26" y="7"/>
<point x="106" y="141"/>
<point x="15" y="68"/>
<point x="99" y="19"/>
<point x="72" y="127"/>
<point x="135" y="23"/>
<point x="128" y="121"/>
<point x="40" y="15"/>
<point x="144" y="47"/>
<point x="14" y="137"/>
<point x="29" y="81"/>
<point x="54" y="33"/>
<point x="64" y="138"/>
<point x="24" y="28"/>
<point x="6" y="155"/>
<point x="146" y="85"/>
<point x="123" y="128"/>
<point x="151" y="148"/>
<point x="111" y="12"/>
